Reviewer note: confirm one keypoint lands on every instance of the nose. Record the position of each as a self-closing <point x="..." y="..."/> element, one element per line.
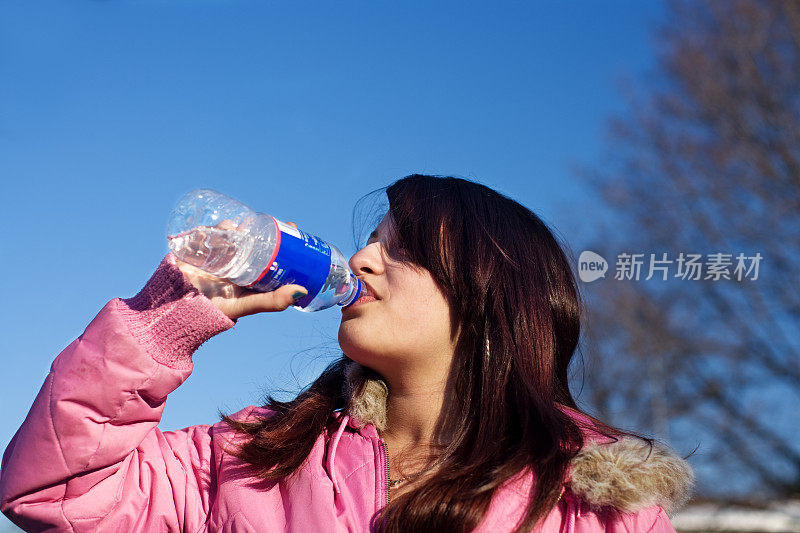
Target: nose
<point x="367" y="260"/>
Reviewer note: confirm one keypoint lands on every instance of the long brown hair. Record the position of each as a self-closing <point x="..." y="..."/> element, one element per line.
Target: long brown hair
<point x="518" y="309"/>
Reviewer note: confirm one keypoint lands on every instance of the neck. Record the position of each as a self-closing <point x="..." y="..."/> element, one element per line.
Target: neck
<point x="410" y="411"/>
<point x="413" y="413"/>
<point x="415" y="406"/>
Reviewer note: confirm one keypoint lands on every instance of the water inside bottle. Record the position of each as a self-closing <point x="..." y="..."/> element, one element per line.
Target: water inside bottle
<point x="209" y="248"/>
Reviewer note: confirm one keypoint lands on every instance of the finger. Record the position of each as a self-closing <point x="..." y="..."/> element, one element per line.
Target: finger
<point x="265" y="302"/>
<point x="292" y="224"/>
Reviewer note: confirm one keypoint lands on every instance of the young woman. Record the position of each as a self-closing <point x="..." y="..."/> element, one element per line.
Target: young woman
<point x="450" y="409"/>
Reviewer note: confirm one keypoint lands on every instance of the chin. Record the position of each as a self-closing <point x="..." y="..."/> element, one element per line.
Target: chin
<point x="358" y="348"/>
<point x="350" y="344"/>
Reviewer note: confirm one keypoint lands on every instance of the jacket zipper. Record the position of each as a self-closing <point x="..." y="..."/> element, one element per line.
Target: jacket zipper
<point x="386" y="469"/>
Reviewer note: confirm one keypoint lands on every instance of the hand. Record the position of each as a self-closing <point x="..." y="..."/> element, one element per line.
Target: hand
<point x="236" y="301"/>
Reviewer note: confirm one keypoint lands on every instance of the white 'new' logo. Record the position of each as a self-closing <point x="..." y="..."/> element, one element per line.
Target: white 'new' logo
<point x="591" y="266"/>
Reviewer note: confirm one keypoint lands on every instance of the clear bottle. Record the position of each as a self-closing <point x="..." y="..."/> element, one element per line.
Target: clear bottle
<point x="226" y="238"/>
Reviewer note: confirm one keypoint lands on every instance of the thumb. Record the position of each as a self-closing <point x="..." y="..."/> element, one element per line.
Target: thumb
<point x="277" y="300"/>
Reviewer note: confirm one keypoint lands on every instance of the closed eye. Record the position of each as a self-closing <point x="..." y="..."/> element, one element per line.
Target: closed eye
<point x="373" y="237"/>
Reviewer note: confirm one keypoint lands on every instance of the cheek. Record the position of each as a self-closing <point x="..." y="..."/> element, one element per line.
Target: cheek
<point x="424" y="317"/>
<point x="431" y="321"/>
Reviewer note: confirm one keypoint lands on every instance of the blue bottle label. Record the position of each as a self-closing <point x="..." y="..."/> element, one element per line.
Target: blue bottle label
<point x="299" y="258"/>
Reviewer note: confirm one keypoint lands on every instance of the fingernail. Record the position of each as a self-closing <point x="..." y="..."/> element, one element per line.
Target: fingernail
<point x="297" y="295"/>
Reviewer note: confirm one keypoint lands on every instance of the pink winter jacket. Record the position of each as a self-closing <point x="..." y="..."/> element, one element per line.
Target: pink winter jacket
<point x="90" y="457"/>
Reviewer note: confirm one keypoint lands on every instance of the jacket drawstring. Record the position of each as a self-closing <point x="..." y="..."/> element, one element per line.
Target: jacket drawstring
<point x="573" y="511"/>
<point x="332" y="452"/>
<point x="570" y="516"/>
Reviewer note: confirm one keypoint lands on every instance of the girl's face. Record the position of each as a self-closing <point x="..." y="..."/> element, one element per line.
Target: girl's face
<point x="402" y="319"/>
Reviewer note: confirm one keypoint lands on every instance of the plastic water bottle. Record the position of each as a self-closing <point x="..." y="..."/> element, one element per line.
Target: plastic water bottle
<point x="226" y="238"/>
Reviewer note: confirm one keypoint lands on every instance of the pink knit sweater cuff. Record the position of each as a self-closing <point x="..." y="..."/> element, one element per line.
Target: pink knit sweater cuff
<point x="170" y="318"/>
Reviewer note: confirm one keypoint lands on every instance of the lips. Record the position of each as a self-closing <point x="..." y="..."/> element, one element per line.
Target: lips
<point x="367" y="295"/>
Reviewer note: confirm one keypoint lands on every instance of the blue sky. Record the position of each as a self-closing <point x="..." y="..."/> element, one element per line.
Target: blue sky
<point x="110" y="110"/>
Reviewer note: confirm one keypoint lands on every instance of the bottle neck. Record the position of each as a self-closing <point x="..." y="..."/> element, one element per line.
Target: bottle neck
<point x="353" y="293"/>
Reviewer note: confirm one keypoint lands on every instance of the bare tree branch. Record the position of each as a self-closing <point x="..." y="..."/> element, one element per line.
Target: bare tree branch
<point x="707" y="159"/>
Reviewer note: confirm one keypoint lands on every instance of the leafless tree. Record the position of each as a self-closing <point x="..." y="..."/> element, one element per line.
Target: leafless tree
<point x="707" y="160"/>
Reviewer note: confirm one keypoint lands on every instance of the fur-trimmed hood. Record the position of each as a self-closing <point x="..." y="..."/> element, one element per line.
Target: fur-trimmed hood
<point x="628" y="474"/>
